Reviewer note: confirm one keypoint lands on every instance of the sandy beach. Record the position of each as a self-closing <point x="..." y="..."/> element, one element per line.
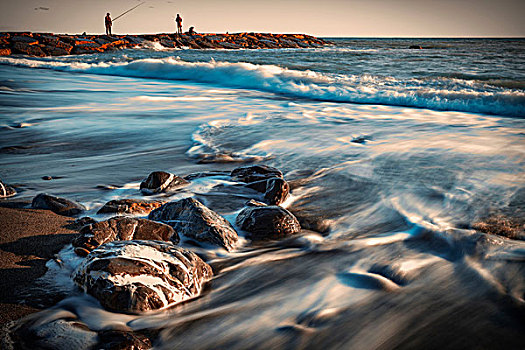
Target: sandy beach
<point x="28" y="238"/>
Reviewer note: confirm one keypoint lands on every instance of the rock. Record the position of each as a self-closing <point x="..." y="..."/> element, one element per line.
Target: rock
<point x="267" y="222"/>
<point x="85" y="47"/>
<point x="83" y="221"/>
<point x="55" y="51"/>
<point x="275" y="190"/>
<point x="6" y="191"/>
<point x="191" y="218"/>
<point x="58" y="205"/>
<point x="28" y="49"/>
<point x="129" y="206"/>
<point x="418" y="47"/>
<point x="138" y="276"/>
<point x="24" y="39"/>
<point x="121" y="228"/>
<point x="5" y="51"/>
<point x="255" y="173"/>
<point x="122" y="340"/>
<point x="161" y="181"/>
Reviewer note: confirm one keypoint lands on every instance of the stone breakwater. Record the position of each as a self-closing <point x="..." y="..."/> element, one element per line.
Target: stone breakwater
<point x="49" y="44"/>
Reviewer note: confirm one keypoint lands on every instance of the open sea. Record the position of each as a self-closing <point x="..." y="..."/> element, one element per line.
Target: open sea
<point x="393" y="155"/>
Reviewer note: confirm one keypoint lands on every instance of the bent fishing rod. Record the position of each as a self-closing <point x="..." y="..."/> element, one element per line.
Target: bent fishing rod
<point x="131" y="9"/>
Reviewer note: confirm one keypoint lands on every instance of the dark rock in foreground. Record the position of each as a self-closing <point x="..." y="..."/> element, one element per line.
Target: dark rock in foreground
<point x="121" y="229"/>
<point x="160" y="181"/>
<point x="6" y="191"/>
<point x="47" y="44"/>
<point x="192" y="219"/>
<point x="129" y="206"/>
<point x="137" y="276"/>
<point x="58" y="205"/>
<point x="264" y="222"/>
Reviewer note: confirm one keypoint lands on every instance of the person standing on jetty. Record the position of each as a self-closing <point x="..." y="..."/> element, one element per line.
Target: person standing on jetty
<point x="179" y="24"/>
<point x="108" y="24"/>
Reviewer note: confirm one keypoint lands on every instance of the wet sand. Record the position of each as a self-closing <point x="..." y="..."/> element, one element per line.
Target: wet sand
<point x="28" y="238"/>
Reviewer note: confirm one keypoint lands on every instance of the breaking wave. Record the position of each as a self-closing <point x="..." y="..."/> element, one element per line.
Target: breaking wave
<point x="452" y="94"/>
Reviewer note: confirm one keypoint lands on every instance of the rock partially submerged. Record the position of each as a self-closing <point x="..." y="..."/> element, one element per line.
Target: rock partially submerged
<point x="137" y="276"/>
<point x="192" y="219"/>
<point x="161" y="181"/>
<point x="264" y="179"/>
<point x="255" y="173"/>
<point x="121" y="229"/>
<point x="129" y="206"/>
<point x="57" y="205"/>
<point x="6" y="191"/>
<point x="264" y="222"/>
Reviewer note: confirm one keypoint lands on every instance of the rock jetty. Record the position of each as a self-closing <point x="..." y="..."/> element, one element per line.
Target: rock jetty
<point x="49" y="44"/>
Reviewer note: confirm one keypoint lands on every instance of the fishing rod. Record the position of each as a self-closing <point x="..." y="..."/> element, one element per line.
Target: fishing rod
<point x="131" y="9"/>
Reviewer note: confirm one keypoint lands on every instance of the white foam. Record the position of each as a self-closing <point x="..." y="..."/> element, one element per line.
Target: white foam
<point x="439" y="93"/>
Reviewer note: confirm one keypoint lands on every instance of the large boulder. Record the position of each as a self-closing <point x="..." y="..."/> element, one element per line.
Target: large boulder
<point x="161" y="181"/>
<point x="264" y="222"/>
<point x="6" y="191"/>
<point x="192" y="219"/>
<point x="137" y="276"/>
<point x="58" y="205"/>
<point x="121" y="229"/>
<point x="129" y="206"/>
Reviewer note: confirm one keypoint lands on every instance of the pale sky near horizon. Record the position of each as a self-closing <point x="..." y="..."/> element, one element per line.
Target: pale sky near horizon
<point x="326" y="18"/>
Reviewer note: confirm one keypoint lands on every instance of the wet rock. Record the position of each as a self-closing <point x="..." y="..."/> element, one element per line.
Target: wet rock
<point x="191" y="218"/>
<point x="418" y="47"/>
<point x="275" y="190"/>
<point x="6" y="191"/>
<point x="255" y="173"/>
<point x="267" y="222"/>
<point x="129" y="206"/>
<point x="161" y="181"/>
<point x="137" y="276"/>
<point x="121" y="229"/>
<point x="121" y="340"/>
<point x="58" y="205"/>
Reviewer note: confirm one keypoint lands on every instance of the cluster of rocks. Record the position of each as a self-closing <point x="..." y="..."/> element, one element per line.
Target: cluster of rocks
<point x="49" y="44"/>
<point x="133" y="264"/>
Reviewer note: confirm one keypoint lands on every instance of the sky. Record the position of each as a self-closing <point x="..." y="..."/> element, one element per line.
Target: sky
<point x="324" y="18"/>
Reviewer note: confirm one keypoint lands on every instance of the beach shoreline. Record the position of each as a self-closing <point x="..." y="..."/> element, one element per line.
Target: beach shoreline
<point x="28" y="239"/>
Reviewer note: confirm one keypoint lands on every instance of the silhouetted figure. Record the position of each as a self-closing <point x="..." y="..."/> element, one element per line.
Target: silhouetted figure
<point x="108" y="24"/>
<point x="179" y="24"/>
<point x="191" y="31"/>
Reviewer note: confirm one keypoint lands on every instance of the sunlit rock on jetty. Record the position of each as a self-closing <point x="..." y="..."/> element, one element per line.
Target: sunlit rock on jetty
<point x="49" y="44"/>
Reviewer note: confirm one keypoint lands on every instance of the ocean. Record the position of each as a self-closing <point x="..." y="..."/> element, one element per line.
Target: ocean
<point x="393" y="155"/>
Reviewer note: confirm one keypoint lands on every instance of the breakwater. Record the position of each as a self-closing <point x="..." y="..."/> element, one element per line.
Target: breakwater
<point x="49" y="44"/>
